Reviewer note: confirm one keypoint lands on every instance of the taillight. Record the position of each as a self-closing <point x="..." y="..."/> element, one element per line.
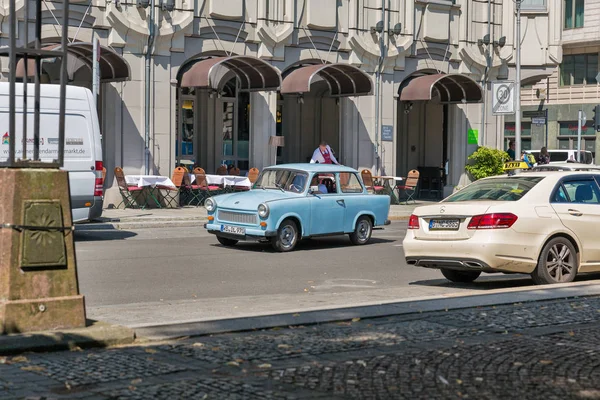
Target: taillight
<point x="99" y="185"/>
<point x="413" y="222"/>
<point x="492" y="221"/>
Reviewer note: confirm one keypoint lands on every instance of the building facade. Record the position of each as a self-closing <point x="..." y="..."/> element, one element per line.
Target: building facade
<point x="390" y="85"/>
<point x="570" y="88"/>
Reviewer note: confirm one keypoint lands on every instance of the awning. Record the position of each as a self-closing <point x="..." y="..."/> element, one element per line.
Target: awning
<point x="253" y="73"/>
<point x="113" y="67"/>
<point x="342" y="80"/>
<point x="451" y="88"/>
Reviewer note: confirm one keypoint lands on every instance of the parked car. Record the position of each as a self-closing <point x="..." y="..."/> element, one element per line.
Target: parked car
<point x="562" y="156"/>
<point x="538" y="223"/>
<point x="297" y="201"/>
<point x="83" y="151"/>
<point x="566" y="167"/>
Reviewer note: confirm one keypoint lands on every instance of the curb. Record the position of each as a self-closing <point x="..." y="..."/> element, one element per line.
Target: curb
<point x="412" y="307"/>
<point x="125" y="225"/>
<point x="97" y="334"/>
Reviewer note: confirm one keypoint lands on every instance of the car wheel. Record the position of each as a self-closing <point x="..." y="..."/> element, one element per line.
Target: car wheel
<point x="460" y="276"/>
<point x="362" y="231"/>
<point x="287" y="236"/>
<point x="226" y="241"/>
<point x="557" y="263"/>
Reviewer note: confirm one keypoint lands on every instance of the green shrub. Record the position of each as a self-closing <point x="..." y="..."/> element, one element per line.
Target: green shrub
<point x="486" y="162"/>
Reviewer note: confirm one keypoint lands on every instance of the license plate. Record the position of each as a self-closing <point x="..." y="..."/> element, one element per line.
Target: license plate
<point x="444" y="224"/>
<point x="236" y="230"/>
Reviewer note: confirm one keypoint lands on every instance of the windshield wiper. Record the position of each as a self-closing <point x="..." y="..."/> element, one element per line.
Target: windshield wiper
<point x="278" y="186"/>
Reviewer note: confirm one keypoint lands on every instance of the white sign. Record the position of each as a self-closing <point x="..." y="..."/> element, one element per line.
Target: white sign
<point x="503" y="97"/>
<point x="538" y="120"/>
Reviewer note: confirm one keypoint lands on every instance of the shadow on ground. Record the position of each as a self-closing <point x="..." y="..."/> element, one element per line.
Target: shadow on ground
<point x="102" y="235"/>
<point x="304" y="245"/>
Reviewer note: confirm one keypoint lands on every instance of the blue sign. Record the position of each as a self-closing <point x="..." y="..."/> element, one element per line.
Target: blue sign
<point x="387" y="133"/>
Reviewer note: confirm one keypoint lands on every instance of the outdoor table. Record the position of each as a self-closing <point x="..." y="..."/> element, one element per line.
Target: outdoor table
<point x="149" y="180"/>
<point x="388" y="187"/>
<point x="225" y="180"/>
<point x="152" y="184"/>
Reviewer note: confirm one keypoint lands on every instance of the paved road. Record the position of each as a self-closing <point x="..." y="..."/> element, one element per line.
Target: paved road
<point x="541" y="350"/>
<point x="157" y="276"/>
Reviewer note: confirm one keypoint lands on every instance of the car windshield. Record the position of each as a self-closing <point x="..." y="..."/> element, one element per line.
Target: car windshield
<point x="282" y="179"/>
<point x="500" y="189"/>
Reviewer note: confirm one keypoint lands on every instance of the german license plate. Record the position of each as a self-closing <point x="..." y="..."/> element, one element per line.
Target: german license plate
<point x="444" y="224"/>
<point x="236" y="230"/>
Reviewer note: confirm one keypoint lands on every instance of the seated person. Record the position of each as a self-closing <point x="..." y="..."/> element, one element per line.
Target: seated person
<point x="297" y="184"/>
<point x="322" y="189"/>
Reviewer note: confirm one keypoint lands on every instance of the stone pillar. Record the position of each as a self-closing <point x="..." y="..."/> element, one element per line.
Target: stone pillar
<point x="263" y="106"/>
<point x="38" y="274"/>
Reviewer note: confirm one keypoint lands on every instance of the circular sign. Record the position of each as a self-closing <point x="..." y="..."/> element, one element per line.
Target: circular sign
<point x="503" y="94"/>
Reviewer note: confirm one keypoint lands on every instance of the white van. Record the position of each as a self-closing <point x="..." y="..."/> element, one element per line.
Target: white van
<point x="83" y="150"/>
<point x="561" y="156"/>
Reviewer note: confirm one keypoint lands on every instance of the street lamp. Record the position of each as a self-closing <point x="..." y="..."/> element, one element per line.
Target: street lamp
<point x="518" y="85"/>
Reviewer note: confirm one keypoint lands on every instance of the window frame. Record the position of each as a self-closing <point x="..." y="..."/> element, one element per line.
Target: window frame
<point x="572" y="77"/>
<point x="573" y="15"/>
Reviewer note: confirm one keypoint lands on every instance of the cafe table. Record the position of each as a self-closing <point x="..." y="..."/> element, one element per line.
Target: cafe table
<point x="153" y="188"/>
<point x="389" y="183"/>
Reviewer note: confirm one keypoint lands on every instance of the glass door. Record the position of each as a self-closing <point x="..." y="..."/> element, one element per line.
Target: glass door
<point x="234" y="147"/>
<point x="184" y="142"/>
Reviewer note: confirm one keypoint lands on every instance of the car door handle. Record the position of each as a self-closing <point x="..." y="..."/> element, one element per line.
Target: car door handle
<point x="576" y="213"/>
<point x="341" y="202"/>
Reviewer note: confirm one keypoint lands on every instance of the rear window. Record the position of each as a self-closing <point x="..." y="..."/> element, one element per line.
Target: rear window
<point x="501" y="189"/>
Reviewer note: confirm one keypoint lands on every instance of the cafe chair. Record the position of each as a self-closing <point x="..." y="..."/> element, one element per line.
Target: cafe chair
<point x="409" y="187"/>
<point x="127" y="192"/>
<point x="222" y="170"/>
<point x="202" y="187"/>
<point x="367" y="178"/>
<point x="169" y="193"/>
<point x="253" y="175"/>
<point x="235" y="171"/>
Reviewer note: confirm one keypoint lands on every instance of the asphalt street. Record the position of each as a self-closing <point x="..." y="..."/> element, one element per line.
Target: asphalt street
<point x="166" y="275"/>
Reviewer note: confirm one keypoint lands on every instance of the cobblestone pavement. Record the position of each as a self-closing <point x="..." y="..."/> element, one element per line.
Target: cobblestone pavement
<point x="543" y="350"/>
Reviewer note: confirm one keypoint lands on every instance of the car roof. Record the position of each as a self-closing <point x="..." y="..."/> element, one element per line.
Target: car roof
<point x="568" y="166"/>
<point x="308" y="167"/>
<point x="544" y="174"/>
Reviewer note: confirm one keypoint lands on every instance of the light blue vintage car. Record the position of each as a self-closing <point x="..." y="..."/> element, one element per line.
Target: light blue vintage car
<point x="291" y="202"/>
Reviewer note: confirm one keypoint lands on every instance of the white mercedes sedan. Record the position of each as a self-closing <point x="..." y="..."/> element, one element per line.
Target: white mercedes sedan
<point x="545" y="224"/>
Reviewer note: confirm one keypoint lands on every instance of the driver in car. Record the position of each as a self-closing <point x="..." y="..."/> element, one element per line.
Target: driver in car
<point x="298" y="184"/>
<point x="322" y="189"/>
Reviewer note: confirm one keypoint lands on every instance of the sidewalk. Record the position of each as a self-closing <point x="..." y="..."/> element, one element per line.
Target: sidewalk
<point x="535" y="350"/>
<point x="191" y="216"/>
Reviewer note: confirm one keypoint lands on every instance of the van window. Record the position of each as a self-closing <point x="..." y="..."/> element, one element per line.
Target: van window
<point x="559" y="156"/>
<point x="78" y="138"/>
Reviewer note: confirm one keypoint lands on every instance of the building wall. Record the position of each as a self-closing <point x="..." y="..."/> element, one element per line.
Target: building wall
<point x="433" y="36"/>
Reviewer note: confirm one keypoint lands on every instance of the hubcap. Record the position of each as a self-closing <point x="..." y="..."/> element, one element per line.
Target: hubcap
<point x="363" y="230"/>
<point x="287" y="236"/>
<point x="560" y="262"/>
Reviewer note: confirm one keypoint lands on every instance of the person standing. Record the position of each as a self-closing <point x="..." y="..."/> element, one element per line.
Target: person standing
<point x="511" y="149"/>
<point x="323" y="155"/>
<point x="544" y="156"/>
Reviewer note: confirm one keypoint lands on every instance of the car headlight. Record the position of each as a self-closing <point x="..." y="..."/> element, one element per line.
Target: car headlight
<point x="210" y="205"/>
<point x="263" y="210"/>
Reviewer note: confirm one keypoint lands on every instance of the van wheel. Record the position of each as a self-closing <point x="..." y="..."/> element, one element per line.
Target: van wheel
<point x="287" y="236"/>
<point x="460" y="276"/>
<point x="226" y="241"/>
<point x="557" y="263"/>
<point x="362" y="231"/>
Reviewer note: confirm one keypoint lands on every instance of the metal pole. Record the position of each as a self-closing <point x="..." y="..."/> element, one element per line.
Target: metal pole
<point x="546" y="140"/>
<point x="11" y="85"/>
<point x="148" y="84"/>
<point x="579" y="118"/>
<point x="518" y="86"/>
<point x="95" y="70"/>
<point x="63" y="84"/>
<point x="25" y="84"/>
<point x="377" y="85"/>
<point x="38" y="74"/>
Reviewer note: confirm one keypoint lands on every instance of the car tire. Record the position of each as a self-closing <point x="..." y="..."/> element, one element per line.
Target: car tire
<point x="226" y="241"/>
<point x="557" y="257"/>
<point x="362" y="231"/>
<point x="460" y="276"/>
<point x="287" y="236"/>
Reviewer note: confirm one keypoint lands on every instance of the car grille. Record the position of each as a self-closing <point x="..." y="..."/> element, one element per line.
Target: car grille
<point x="240" y="218"/>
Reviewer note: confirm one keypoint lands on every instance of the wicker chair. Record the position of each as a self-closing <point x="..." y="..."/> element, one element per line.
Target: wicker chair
<point x="203" y="189"/>
<point x="127" y="192"/>
<point x="410" y="186"/>
<point x="222" y="170"/>
<point x="367" y="178"/>
<point x="253" y="175"/>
